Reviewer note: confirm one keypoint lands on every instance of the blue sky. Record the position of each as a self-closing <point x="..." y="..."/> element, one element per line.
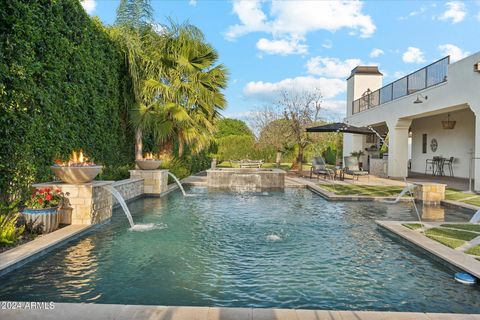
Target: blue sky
<point x="304" y="45"/>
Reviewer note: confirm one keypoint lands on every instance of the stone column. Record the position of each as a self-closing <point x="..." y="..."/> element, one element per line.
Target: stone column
<point x="430" y="193"/>
<point x="398" y="148"/>
<point x="90" y="202"/>
<point x="155" y="182"/>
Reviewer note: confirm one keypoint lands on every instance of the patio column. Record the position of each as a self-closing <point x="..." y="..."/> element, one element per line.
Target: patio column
<point x="398" y="148"/>
<point x="351" y="142"/>
<point x="476" y="154"/>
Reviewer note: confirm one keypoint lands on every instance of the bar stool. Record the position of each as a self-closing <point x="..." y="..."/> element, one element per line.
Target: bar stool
<point x="449" y="164"/>
<point x="430" y="162"/>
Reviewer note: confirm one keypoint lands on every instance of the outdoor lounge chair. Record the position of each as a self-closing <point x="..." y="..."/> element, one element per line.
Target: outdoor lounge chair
<point x="352" y="168"/>
<point x="319" y="167"/>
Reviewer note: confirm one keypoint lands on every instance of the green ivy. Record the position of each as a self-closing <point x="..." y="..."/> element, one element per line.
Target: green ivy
<point x="63" y="86"/>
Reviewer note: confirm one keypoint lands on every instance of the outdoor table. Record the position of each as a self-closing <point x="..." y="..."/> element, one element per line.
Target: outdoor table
<point x="437" y="166"/>
<point x="339" y="173"/>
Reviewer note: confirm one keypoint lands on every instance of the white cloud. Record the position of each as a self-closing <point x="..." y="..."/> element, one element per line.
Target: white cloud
<point x="455" y="12"/>
<point x="375" y="53"/>
<point x="327" y="44"/>
<point x="297" y="18"/>
<point x="268" y="91"/>
<point x="251" y="17"/>
<point x="453" y="51"/>
<point x="282" y="47"/>
<point x="413" y="55"/>
<point x="414" y="13"/>
<point x="334" y="105"/>
<point x="192" y="3"/>
<point x="331" y="67"/>
<point x="89" y="5"/>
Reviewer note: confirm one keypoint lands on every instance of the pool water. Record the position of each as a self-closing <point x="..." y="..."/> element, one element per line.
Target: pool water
<point x="288" y="249"/>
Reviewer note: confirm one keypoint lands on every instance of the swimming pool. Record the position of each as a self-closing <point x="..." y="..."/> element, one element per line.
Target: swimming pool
<point x="290" y="249"/>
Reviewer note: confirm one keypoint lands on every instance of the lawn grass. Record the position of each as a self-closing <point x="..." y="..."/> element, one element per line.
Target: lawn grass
<point x="449" y="242"/>
<point x="412" y="226"/>
<point x="457" y="195"/>
<point x="463" y="226"/>
<point x="451" y="233"/>
<point x="362" y="190"/>
<point x="474" y="250"/>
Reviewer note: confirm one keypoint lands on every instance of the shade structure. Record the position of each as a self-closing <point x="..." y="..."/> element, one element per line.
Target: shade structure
<point x="340" y="127"/>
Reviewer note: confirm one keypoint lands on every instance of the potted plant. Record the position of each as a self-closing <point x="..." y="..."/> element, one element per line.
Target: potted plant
<point x="42" y="209"/>
<point x="358" y="154"/>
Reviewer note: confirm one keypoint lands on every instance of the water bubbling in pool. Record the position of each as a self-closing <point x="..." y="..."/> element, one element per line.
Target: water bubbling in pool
<point x="148" y="227"/>
<point x="273" y="237"/>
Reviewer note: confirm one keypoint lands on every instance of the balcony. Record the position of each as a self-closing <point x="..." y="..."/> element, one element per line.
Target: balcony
<point x="426" y="77"/>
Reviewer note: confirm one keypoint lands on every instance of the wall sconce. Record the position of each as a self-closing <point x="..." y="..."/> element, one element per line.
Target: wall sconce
<point x="420" y="98"/>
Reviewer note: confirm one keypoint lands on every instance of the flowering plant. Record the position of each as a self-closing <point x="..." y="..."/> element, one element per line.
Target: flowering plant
<point x="45" y="198"/>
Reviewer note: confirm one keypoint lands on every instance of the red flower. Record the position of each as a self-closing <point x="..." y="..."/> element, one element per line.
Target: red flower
<point x="48" y="190"/>
<point x="58" y="190"/>
<point x="48" y="197"/>
<point x="40" y="200"/>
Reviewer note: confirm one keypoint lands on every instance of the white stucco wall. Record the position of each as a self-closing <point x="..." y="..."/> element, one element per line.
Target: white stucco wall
<point x="451" y="143"/>
<point x="459" y="92"/>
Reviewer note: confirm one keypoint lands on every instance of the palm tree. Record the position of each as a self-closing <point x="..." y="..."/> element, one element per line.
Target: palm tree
<point x="183" y="96"/>
<point x="132" y="26"/>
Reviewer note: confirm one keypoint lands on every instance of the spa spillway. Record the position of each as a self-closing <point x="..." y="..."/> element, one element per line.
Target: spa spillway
<point x="246" y="178"/>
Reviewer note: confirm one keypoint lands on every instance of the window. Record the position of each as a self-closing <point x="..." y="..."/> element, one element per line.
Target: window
<point x="424" y="143"/>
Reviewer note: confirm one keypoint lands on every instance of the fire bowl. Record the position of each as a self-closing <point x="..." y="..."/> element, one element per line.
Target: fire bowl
<point x="76" y="175"/>
<point x="148" y="164"/>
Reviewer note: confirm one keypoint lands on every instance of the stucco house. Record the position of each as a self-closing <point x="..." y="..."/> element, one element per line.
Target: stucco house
<point x="429" y="113"/>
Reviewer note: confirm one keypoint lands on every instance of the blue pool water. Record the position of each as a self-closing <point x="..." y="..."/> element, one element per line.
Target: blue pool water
<point x="287" y="249"/>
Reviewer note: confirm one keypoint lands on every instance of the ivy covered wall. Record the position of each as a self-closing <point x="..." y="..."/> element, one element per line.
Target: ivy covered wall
<point x="63" y="86"/>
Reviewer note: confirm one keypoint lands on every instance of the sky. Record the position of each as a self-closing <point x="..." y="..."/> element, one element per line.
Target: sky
<point x="271" y="45"/>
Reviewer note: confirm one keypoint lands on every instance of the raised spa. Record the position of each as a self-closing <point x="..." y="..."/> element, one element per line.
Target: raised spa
<point x="246" y="178"/>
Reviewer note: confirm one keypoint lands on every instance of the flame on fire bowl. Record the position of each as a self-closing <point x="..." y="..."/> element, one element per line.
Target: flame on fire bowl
<point x="77" y="170"/>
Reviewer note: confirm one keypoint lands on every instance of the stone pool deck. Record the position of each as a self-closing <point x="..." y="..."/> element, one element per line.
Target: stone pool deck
<point x="77" y="311"/>
<point x="454" y="257"/>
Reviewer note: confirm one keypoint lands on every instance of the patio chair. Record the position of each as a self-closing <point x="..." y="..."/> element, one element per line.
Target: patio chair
<point x="319" y="167"/>
<point x="352" y="168"/>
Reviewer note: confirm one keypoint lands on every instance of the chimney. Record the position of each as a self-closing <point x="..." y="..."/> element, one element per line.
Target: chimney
<point x="360" y="80"/>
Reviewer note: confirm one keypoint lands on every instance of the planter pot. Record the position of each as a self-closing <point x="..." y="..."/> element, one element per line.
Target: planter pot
<point x="47" y="218"/>
<point x="148" y="164"/>
<point x="76" y="175"/>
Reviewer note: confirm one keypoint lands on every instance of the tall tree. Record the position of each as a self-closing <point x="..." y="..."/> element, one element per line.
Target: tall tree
<point x="184" y="95"/>
<point x="132" y="26"/>
<point x="300" y="109"/>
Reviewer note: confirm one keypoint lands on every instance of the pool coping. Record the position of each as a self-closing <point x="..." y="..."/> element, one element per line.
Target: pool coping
<point x="453" y="257"/>
<point x="132" y="312"/>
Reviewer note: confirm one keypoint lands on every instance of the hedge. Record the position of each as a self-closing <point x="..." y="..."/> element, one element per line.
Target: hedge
<point x="63" y="86"/>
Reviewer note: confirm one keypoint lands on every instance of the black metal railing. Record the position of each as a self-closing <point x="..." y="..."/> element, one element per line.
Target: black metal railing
<point x="428" y="76"/>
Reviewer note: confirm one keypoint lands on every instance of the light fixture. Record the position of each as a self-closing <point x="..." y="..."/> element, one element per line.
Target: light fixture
<point x="420" y="98"/>
<point x="449" y="124"/>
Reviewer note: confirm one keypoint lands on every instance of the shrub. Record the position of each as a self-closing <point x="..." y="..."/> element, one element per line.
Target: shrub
<point x="236" y="147"/>
<point x="63" y="86"/>
<point x="9" y="232"/>
<point x="116" y="173"/>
